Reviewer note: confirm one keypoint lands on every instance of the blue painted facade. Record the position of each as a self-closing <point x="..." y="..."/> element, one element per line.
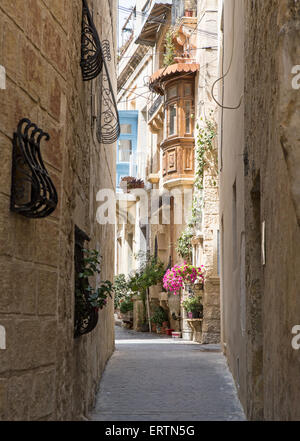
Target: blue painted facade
<point x="127" y="145"/>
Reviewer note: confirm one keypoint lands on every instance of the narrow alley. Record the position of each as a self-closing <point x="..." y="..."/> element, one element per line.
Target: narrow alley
<point x="156" y="378"/>
<point x="150" y="212"/>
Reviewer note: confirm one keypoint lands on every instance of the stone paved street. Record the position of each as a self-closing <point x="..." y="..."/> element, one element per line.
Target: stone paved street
<point x="155" y="378"/>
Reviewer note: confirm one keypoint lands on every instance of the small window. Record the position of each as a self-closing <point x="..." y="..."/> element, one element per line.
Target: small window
<point x="187" y="91"/>
<point x="125" y="150"/>
<point x="172" y="119"/>
<point x="125" y="129"/>
<point x="187" y="112"/>
<point x="85" y="316"/>
<point x="218" y="252"/>
<point x="155" y="248"/>
<point x="172" y="92"/>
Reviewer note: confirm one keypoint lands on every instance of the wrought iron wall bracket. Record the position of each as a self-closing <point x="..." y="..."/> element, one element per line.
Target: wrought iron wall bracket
<point x="33" y="193"/>
<point x="108" y="127"/>
<point x="94" y="54"/>
<point x="91" y="52"/>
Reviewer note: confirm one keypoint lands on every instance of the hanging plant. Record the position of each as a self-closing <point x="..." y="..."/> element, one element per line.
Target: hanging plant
<point x="95" y="297"/>
<point x="175" y="278"/>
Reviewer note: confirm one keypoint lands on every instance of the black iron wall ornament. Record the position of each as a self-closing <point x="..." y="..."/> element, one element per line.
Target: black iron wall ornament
<point x="93" y="57"/>
<point x="108" y="123"/>
<point x="86" y="316"/>
<point x="33" y="193"/>
<point x="91" y="52"/>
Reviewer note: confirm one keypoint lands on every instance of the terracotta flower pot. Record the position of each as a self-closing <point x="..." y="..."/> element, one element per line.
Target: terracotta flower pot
<point x="188" y="13"/>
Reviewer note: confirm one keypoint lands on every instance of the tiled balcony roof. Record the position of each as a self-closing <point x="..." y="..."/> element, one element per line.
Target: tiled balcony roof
<point x="166" y="73"/>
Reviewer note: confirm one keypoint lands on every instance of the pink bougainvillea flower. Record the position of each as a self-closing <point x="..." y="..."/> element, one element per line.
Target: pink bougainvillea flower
<point x="175" y="277"/>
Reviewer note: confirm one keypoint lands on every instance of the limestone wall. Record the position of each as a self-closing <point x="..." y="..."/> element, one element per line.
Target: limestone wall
<point x="231" y="166"/>
<point x="205" y="245"/>
<point x="44" y="372"/>
<point x="258" y="159"/>
<point x="272" y="148"/>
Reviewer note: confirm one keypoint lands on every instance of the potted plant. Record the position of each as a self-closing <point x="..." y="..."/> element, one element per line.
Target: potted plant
<point x="181" y="276"/>
<point x="188" y="13"/>
<point x="193" y="307"/>
<point x="88" y="300"/>
<point x="158" y="318"/>
<point x="129" y="182"/>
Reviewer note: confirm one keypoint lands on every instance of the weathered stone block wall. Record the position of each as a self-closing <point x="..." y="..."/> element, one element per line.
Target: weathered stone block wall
<point x="231" y="165"/>
<point x="44" y="372"/>
<point x="272" y="151"/>
<point x="207" y="109"/>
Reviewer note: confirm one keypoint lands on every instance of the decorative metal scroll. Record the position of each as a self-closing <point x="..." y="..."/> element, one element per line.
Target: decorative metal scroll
<point x="93" y="57"/>
<point x="106" y="50"/>
<point x="108" y="124"/>
<point x="32" y="191"/>
<point x="86" y="316"/>
<point x="91" y="52"/>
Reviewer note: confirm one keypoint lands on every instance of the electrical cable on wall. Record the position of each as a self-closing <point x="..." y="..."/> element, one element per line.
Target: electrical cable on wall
<point x="229" y="67"/>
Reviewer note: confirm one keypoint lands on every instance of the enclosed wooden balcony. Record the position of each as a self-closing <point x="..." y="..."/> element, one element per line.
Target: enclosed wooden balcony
<point x="176" y="84"/>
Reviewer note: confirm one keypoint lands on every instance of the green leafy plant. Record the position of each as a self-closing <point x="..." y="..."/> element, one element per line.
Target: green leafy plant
<point x="149" y="274"/>
<point x="205" y="144"/>
<point x="205" y="156"/>
<point x="159" y="316"/>
<point x="121" y="289"/>
<point x="169" y="49"/>
<point x="184" y="244"/>
<point x="86" y="293"/>
<point x="192" y="304"/>
<point x="126" y="305"/>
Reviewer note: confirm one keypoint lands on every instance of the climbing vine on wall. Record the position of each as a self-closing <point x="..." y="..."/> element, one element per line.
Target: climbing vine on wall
<point x="169" y="49"/>
<point x="184" y="244"/>
<point x="205" y="146"/>
<point x="205" y="156"/>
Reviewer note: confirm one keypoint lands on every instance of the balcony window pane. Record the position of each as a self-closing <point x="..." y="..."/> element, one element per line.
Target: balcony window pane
<point x="187" y="89"/>
<point x="172" y="119"/>
<point x="125" y="150"/>
<point x="172" y="92"/>
<point x="125" y="128"/>
<point x="187" y="111"/>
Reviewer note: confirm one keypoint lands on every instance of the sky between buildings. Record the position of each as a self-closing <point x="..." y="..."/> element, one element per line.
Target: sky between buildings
<point x="123" y="15"/>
